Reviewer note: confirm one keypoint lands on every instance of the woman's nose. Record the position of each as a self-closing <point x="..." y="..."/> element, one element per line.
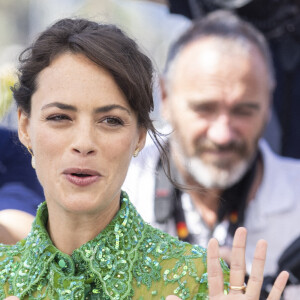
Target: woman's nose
<point x="84" y="141"/>
<point x="83" y="151"/>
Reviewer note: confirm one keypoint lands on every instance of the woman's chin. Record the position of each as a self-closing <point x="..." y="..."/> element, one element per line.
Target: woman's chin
<point x="82" y="205"/>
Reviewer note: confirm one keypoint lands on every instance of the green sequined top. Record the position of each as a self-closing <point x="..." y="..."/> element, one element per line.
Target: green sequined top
<point x="129" y="259"/>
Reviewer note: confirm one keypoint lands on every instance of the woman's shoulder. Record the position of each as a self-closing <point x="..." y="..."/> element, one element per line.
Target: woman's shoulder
<point x="10" y="251"/>
<point x="161" y="242"/>
<point x="169" y="266"/>
<point x="10" y="256"/>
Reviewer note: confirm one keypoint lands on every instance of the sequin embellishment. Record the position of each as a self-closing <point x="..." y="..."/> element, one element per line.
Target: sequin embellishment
<point x="128" y="260"/>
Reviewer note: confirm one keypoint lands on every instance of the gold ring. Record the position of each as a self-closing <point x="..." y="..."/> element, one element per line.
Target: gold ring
<point x="238" y="288"/>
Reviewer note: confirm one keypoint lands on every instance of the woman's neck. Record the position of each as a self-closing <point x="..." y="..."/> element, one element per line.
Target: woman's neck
<point x="69" y="231"/>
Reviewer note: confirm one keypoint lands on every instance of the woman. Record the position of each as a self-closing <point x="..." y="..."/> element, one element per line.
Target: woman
<point x="84" y="100"/>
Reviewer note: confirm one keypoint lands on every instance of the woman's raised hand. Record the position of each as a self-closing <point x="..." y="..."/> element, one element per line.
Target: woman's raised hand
<point x="237" y="272"/>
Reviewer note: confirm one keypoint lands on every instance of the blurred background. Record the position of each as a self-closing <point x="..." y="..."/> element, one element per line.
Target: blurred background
<point x="155" y="25"/>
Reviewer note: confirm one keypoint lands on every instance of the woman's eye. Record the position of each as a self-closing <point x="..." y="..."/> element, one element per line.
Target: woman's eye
<point x="113" y="121"/>
<point x="58" y="118"/>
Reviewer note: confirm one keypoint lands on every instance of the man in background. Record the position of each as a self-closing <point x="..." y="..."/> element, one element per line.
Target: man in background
<point x="279" y="21"/>
<point x="216" y="95"/>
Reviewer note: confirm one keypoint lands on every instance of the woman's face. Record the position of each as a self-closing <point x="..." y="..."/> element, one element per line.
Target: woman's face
<point x="83" y="134"/>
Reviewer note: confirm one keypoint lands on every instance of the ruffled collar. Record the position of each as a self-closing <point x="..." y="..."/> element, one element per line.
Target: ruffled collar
<point x="102" y="267"/>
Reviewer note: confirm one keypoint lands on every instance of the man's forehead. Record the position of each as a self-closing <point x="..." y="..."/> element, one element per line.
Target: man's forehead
<point x="205" y="73"/>
<point x="208" y="48"/>
<point x="216" y="57"/>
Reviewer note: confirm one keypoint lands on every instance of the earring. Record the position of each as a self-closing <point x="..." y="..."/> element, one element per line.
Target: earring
<point x="32" y="157"/>
<point x="136" y="152"/>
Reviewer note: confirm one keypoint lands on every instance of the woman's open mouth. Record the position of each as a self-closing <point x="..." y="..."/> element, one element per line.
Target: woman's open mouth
<point x="81" y="177"/>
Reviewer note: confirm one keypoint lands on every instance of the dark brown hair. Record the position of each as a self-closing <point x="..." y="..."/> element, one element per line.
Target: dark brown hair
<point x="106" y="45"/>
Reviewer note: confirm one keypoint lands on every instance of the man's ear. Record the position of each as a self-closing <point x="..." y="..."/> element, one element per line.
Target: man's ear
<point x="165" y="111"/>
<point x="23" y="125"/>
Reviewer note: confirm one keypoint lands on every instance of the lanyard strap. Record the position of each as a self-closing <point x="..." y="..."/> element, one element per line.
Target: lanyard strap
<point x="233" y="202"/>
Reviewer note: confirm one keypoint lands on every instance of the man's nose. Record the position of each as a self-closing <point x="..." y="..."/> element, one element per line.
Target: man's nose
<point x="220" y="130"/>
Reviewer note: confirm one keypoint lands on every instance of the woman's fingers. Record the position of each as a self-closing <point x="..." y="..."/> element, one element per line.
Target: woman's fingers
<point x="278" y="286"/>
<point x="225" y="254"/>
<point x="237" y="270"/>
<point x="214" y="271"/>
<point x="12" y="298"/>
<point x="257" y="271"/>
<point x="237" y="266"/>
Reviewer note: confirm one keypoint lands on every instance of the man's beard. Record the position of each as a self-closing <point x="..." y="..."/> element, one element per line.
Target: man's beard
<point x="219" y="174"/>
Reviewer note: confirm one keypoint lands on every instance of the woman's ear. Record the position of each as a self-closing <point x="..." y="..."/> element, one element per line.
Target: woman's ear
<point x="23" y="126"/>
<point x="142" y="138"/>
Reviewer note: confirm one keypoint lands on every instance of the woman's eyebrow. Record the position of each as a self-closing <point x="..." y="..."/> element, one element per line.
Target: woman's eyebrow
<point x="108" y="108"/>
<point x="60" y="106"/>
<point x="101" y="109"/>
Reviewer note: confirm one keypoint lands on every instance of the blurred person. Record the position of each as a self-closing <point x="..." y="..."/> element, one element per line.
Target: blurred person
<point x="20" y="191"/>
<point x="217" y="91"/>
<point x="279" y="21"/>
